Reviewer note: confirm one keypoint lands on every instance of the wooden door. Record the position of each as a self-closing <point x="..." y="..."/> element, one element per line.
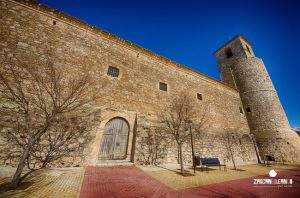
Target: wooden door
<point x="114" y="140"/>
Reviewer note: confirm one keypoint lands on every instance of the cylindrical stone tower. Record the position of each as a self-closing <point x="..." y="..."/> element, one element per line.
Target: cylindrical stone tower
<point x="266" y="118"/>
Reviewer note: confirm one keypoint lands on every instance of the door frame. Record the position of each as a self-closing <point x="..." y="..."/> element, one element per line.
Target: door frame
<point x="127" y="139"/>
<point x="92" y="151"/>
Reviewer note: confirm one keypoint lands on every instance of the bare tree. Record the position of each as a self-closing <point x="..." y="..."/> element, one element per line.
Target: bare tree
<point x="229" y="139"/>
<point x="176" y="120"/>
<point x="153" y="145"/>
<point x="253" y="140"/>
<point x="45" y="111"/>
<point x="198" y="131"/>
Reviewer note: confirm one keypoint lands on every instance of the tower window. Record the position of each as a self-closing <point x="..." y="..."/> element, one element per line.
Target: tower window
<point x="113" y="71"/>
<point x="248" y="49"/>
<point x="241" y="110"/>
<point x="54" y="22"/>
<point x="163" y="86"/>
<point x="248" y="109"/>
<point x="199" y="96"/>
<point x="228" y="53"/>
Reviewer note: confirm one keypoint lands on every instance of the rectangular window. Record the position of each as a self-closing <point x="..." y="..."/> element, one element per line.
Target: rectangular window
<point x="199" y="96"/>
<point x="228" y="53"/>
<point x="113" y="71"/>
<point x="163" y="86"/>
<point x="248" y="109"/>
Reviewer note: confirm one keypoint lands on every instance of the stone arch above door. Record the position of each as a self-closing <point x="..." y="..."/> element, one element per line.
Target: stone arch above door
<point x="114" y="141"/>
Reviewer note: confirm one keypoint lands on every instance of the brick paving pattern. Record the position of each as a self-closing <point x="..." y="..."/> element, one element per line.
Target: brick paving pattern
<point x="170" y="177"/>
<point x="132" y="182"/>
<point x="55" y="183"/>
<point x="245" y="188"/>
<point x="127" y="182"/>
<point x="120" y="181"/>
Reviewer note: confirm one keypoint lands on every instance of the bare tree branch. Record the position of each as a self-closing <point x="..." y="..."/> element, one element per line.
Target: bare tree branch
<point x="45" y="113"/>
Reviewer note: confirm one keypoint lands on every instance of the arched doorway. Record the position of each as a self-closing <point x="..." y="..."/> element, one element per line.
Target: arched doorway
<point x="114" y="139"/>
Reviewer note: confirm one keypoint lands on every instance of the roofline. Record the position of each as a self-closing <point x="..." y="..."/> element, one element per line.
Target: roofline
<point x="235" y="37"/>
<point x="99" y="31"/>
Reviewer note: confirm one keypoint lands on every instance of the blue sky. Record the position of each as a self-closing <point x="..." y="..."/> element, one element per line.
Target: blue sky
<point x="189" y="32"/>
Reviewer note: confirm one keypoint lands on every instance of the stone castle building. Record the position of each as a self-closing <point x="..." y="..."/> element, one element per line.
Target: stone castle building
<point x="141" y="82"/>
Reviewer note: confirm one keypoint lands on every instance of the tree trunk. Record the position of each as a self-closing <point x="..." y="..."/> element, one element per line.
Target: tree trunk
<point x="178" y="156"/>
<point x="256" y="149"/>
<point x="155" y="158"/>
<point x="181" y="160"/>
<point x="17" y="176"/>
<point x="233" y="163"/>
<point x="230" y="150"/>
<point x="193" y="153"/>
<point x="232" y="158"/>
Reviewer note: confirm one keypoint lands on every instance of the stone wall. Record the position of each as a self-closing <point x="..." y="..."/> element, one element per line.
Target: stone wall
<point x="30" y="29"/>
<point x="216" y="145"/>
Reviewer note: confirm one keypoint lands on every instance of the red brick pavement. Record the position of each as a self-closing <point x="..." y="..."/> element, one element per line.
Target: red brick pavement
<point x="120" y="181"/>
<point x="246" y="188"/>
<point x="129" y="182"/>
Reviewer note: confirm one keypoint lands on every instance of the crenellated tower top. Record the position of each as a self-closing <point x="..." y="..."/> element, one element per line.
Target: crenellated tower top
<point x="238" y="47"/>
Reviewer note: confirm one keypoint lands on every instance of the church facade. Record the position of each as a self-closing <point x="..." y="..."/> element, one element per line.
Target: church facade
<point x="141" y="83"/>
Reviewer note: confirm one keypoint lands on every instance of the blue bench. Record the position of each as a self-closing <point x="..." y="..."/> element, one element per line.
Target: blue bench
<point x="208" y="162"/>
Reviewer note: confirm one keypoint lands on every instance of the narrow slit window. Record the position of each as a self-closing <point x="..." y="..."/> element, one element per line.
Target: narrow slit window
<point x="113" y="71"/>
<point x="199" y="96"/>
<point x="163" y="86"/>
<point x="248" y="49"/>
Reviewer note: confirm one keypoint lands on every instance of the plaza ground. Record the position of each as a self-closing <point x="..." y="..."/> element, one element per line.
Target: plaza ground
<point x="139" y="181"/>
